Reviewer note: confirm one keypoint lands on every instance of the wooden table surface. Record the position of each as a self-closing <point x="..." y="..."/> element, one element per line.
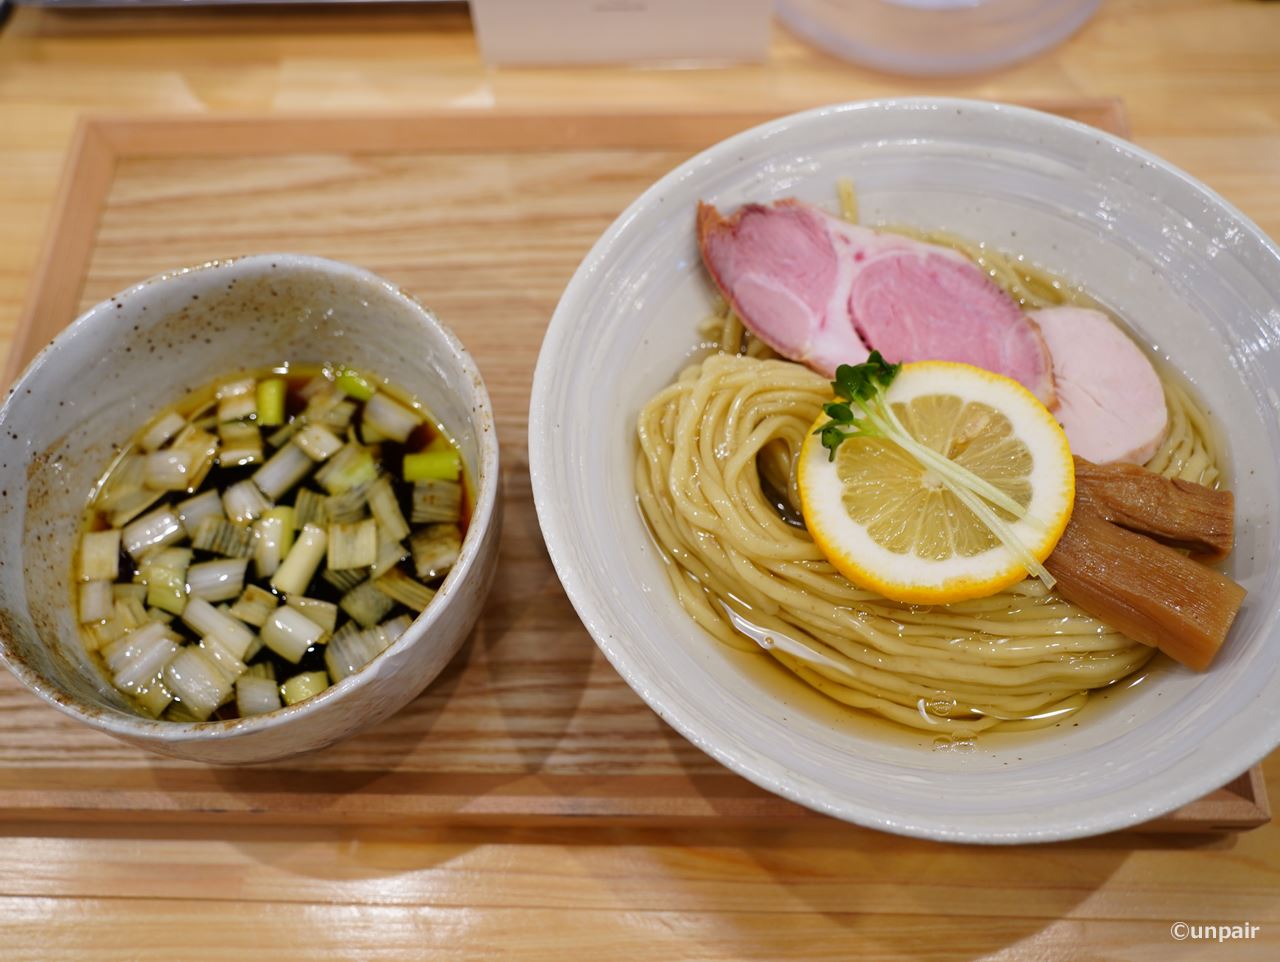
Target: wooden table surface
<point x="1201" y="81"/>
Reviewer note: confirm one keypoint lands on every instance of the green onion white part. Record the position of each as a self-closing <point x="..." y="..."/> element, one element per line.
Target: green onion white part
<point x="256" y="695"/>
<point x="221" y="570"/>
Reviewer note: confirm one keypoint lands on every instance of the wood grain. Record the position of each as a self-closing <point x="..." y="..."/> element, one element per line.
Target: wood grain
<point x="819" y="891"/>
<point x="485" y="218"/>
<point x="1201" y="84"/>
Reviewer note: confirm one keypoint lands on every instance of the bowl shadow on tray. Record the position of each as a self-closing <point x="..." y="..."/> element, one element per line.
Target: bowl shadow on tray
<point x="534" y="657"/>
<point x="342" y="769"/>
<point x="889" y="892"/>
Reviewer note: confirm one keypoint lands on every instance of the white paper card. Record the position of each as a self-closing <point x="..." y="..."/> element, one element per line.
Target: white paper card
<point x="610" y="31"/>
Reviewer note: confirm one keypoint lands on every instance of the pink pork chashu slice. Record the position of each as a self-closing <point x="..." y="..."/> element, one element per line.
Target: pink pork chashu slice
<point x="1110" y="400"/>
<point x="824" y="292"/>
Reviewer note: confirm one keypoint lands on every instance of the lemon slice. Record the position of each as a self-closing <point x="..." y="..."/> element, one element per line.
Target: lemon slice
<point x="890" y="525"/>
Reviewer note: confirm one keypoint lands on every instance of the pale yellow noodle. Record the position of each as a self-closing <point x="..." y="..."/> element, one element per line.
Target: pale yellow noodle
<point x="1022" y="658"/>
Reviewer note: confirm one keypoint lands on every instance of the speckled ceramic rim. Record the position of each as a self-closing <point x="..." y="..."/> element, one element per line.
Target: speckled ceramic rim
<point x="588" y="597"/>
<point x="116" y="722"/>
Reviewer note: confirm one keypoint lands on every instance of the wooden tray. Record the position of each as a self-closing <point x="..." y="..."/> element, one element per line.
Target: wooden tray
<point x="485" y="217"/>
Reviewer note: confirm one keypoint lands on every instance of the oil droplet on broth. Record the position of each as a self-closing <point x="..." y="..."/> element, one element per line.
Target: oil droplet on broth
<point x="960" y="744"/>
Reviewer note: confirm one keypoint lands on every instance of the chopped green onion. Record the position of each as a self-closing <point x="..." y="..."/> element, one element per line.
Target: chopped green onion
<point x="348" y="629"/>
<point x="253" y="649"/>
<point x="100" y="555"/>
<point x="300" y="564"/>
<point x="354" y="384"/>
<point x="256" y="696"/>
<point x="153" y="697"/>
<point x="194" y="510"/>
<point x="304" y="686"/>
<point x="178" y="712"/>
<point x="432" y="465"/>
<point x="344" y="581"/>
<point x="398" y="586"/>
<point x="96" y="601"/>
<point x="321" y="401"/>
<point x="435" y="550"/>
<point x="241" y="444"/>
<point x="217" y="580"/>
<point x="353" y="545"/>
<point x="262" y="669"/>
<point x="289" y="633"/>
<point x="156" y="614"/>
<point x="350" y="467"/>
<point x="282" y="471"/>
<point x="98" y="636"/>
<point x="238" y="388"/>
<point x="238" y="400"/>
<point x="394" y="628"/>
<point x="121" y="592"/>
<point x="349" y="506"/>
<point x="220" y="536"/>
<point x="283" y="435"/>
<point x="131" y="613"/>
<point x="210" y="622"/>
<point x="161" y="431"/>
<point x="386" y="510"/>
<point x="271" y="397"/>
<point x="127" y="614"/>
<point x="155" y="530"/>
<point x="130" y="505"/>
<point x="317" y="385"/>
<point x="346" y="655"/>
<point x="140" y="655"/>
<point x="244" y="502"/>
<point x="436" y="501"/>
<point x="165" y="575"/>
<point x="184" y="464"/>
<point x="389" y="418"/>
<point x="366" y="604"/>
<point x="194" y="679"/>
<point x="123" y="496"/>
<point x="228" y="664"/>
<point x="308" y="508"/>
<point x="317" y="442"/>
<point x="254" y="606"/>
<point x="339" y="416"/>
<point x="323" y="613"/>
<point x="125" y="476"/>
<point x="273" y="537"/>
<point x="390" y="554"/>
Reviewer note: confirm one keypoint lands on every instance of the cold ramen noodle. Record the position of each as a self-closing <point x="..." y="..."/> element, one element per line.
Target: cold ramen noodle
<point x="1014" y="513"/>
<point x="264" y="539"/>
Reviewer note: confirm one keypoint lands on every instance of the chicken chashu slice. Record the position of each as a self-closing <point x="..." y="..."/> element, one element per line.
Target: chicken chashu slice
<point x="823" y="292"/>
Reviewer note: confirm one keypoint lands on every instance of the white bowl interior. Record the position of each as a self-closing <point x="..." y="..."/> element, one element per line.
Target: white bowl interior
<point x="1194" y="280"/>
<point x="130" y="357"/>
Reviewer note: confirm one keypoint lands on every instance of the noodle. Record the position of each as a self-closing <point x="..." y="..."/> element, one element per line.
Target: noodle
<point x="715" y="482"/>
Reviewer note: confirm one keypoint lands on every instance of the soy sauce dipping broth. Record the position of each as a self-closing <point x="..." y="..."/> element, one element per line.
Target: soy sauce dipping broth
<point x="264" y="538"/>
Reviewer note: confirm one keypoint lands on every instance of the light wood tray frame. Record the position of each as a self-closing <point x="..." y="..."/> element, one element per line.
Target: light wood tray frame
<point x="529" y="723"/>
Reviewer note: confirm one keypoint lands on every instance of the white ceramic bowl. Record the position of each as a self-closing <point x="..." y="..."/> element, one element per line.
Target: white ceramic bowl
<point x="1197" y="281"/>
<point x="931" y="37"/>
<point x="129" y="357"/>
